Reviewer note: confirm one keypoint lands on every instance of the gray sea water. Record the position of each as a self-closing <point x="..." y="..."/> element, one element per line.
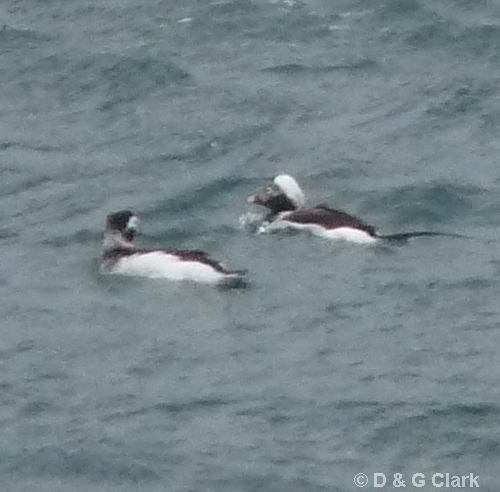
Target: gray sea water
<point x="336" y="359"/>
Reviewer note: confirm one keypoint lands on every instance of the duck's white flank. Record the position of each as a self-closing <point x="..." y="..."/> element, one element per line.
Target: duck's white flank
<point x="159" y="264"/>
<point x="348" y="234"/>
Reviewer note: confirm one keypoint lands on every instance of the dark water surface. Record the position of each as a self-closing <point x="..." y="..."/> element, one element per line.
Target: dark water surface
<point x="337" y="359"/>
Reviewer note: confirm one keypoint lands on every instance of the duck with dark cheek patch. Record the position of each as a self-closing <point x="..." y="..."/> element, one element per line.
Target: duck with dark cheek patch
<point x="121" y="256"/>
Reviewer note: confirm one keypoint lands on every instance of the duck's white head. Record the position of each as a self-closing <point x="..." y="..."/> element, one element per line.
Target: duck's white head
<point x="284" y="194"/>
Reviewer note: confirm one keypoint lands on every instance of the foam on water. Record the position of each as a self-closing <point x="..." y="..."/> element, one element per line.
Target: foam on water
<point x="250" y="221"/>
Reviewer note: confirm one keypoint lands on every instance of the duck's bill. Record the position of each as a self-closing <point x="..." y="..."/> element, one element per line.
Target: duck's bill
<point x="253" y="199"/>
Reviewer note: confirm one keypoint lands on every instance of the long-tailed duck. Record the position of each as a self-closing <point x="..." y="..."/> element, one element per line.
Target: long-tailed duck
<point x="121" y="256"/>
<point x="287" y="209"/>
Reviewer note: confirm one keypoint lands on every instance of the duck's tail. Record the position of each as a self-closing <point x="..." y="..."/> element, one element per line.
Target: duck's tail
<point x="234" y="278"/>
<point x="405" y="236"/>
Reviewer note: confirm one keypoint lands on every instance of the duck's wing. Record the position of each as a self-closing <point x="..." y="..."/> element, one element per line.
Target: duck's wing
<point x="203" y="257"/>
<point x="329" y="218"/>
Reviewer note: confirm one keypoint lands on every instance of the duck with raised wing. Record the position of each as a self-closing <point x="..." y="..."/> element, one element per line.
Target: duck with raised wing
<point x="286" y="205"/>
